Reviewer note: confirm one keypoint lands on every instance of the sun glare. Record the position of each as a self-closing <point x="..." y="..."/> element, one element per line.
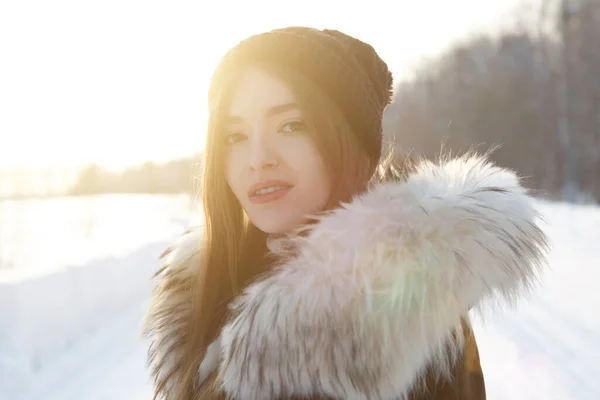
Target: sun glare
<point x="119" y="82"/>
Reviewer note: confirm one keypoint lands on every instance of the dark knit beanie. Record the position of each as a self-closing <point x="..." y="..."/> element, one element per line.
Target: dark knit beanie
<point x="347" y="69"/>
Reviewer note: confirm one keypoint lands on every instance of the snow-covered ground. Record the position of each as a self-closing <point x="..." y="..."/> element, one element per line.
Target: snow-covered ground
<point x="41" y="236"/>
<point x="549" y="348"/>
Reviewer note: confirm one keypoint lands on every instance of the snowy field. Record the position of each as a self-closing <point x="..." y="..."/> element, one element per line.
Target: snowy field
<point x="75" y="281"/>
<point x="43" y="236"/>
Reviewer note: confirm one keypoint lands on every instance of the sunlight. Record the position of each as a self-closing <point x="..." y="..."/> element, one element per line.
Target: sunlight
<point x="120" y="82"/>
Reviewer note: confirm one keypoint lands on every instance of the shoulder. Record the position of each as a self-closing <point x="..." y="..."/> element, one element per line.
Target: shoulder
<point x="170" y="312"/>
<point x="396" y="270"/>
<point x="183" y="257"/>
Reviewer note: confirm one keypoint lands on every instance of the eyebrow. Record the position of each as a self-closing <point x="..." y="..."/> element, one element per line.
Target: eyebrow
<point x="271" y="112"/>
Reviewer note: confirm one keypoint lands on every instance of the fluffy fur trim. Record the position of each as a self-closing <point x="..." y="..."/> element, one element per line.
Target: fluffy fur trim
<point x="377" y="287"/>
<point x="371" y="296"/>
<point x="170" y="313"/>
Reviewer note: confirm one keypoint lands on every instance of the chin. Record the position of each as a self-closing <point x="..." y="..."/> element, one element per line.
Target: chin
<point x="276" y="224"/>
<point x="272" y="227"/>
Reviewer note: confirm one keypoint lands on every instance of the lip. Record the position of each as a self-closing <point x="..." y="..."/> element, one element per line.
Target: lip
<point x="266" y="198"/>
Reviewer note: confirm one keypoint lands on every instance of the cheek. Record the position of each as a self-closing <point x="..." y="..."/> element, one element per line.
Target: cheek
<point x="315" y="174"/>
<point x="233" y="172"/>
<point x="322" y="183"/>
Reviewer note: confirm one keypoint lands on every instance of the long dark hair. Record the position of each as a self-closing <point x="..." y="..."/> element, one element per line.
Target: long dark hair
<point x="234" y="249"/>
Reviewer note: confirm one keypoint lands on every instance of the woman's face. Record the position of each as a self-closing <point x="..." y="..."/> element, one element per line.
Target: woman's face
<point x="272" y="164"/>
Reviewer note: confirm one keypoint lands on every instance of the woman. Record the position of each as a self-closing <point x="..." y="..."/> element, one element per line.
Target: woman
<point x="321" y="273"/>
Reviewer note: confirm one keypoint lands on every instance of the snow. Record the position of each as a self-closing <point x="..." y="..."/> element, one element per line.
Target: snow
<point x="71" y="231"/>
<point x="50" y="313"/>
<point x="73" y="332"/>
<point x="82" y="262"/>
<point x="549" y="348"/>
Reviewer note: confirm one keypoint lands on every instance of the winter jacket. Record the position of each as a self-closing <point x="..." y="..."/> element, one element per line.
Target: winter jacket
<point x="373" y="304"/>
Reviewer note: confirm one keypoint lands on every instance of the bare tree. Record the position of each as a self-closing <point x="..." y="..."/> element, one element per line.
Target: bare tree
<point x="533" y="90"/>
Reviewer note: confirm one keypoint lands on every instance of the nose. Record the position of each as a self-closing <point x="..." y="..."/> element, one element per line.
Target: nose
<point x="262" y="155"/>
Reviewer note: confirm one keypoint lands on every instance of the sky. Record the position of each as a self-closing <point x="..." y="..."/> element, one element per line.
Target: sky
<point x="119" y="82"/>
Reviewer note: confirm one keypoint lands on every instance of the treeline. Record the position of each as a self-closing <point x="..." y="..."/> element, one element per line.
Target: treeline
<point x="172" y="177"/>
<point x="534" y="92"/>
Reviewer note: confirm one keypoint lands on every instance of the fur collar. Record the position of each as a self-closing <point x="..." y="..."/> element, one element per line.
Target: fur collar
<point x="373" y="294"/>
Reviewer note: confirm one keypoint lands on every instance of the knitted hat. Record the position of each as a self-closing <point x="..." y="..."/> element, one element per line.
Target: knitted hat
<point x="347" y="69"/>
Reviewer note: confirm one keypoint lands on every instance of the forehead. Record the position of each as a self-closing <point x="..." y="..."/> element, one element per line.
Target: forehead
<point x="257" y="91"/>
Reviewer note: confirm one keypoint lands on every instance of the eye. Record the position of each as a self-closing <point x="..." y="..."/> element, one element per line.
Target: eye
<point x="234" y="138"/>
<point x="293" y="127"/>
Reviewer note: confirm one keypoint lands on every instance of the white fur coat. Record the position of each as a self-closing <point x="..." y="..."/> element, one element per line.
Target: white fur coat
<point x="374" y="292"/>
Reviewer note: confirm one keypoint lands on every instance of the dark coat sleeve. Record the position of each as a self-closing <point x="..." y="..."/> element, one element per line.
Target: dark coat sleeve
<point x="467" y="381"/>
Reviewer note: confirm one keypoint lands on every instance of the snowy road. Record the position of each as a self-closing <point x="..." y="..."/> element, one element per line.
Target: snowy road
<point x="548" y="349"/>
<point x="107" y="365"/>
